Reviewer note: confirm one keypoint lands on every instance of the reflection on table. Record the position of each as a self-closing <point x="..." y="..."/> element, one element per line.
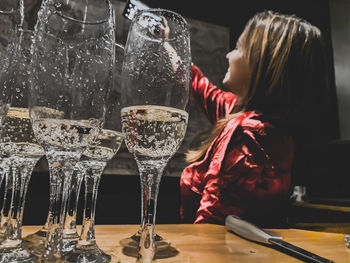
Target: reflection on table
<point x="208" y="243"/>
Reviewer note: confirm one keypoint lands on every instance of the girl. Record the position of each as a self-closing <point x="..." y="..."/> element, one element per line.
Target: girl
<point x="277" y="76"/>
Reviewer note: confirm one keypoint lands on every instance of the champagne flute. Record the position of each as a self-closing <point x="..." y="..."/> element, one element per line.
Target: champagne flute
<point x="11" y="20"/>
<point x="155" y="93"/>
<point x="22" y="151"/>
<point x="91" y="167"/>
<point x="73" y="58"/>
<point x="70" y="235"/>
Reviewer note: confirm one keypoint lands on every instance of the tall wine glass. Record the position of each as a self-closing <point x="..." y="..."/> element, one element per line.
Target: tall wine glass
<point x="73" y="60"/>
<point x="22" y="150"/>
<point x="11" y="20"/>
<point x="91" y="167"/>
<point x="155" y="92"/>
<point x="70" y="237"/>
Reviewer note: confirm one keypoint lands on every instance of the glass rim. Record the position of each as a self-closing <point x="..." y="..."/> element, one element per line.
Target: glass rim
<point x="13" y="9"/>
<point x="10" y="12"/>
<point x="160" y="10"/>
<point x="98" y="22"/>
<point x="87" y="22"/>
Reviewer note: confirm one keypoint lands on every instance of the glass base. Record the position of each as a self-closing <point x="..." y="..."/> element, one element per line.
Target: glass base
<point x="17" y="255"/>
<point x="36" y="242"/>
<point x="69" y="240"/>
<point x="3" y="233"/>
<point x="163" y="248"/>
<point x="68" y="244"/>
<point x="87" y="254"/>
<point x="133" y="241"/>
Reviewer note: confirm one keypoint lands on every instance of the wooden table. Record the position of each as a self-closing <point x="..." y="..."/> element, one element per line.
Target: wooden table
<point x="207" y="243"/>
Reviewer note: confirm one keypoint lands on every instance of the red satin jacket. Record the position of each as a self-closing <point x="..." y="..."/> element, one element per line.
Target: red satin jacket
<point x="245" y="172"/>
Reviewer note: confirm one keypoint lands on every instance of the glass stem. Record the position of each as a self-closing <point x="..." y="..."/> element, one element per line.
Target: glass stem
<point x="70" y="233"/>
<point x="20" y="174"/>
<point x="61" y="171"/>
<point x="2" y="173"/>
<point x="70" y="224"/>
<point x="92" y="173"/>
<point x="6" y="206"/>
<point x="151" y="171"/>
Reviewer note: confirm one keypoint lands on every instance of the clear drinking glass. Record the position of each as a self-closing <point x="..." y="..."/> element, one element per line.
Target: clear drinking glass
<point x="91" y="166"/>
<point x="22" y="152"/>
<point x="155" y="93"/>
<point x="11" y="20"/>
<point x="70" y="234"/>
<point x="73" y="59"/>
<point x="70" y="237"/>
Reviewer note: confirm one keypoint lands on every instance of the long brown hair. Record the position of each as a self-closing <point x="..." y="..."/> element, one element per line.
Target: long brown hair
<point x="288" y="72"/>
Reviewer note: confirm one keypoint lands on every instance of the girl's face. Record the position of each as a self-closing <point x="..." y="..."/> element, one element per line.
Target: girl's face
<point x="237" y="77"/>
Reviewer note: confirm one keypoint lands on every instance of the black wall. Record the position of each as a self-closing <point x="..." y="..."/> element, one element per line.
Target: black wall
<point x="235" y="14"/>
<point x="118" y="200"/>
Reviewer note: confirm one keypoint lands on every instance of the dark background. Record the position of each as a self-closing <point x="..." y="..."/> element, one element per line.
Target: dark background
<point x="235" y="14"/>
<point x="119" y="196"/>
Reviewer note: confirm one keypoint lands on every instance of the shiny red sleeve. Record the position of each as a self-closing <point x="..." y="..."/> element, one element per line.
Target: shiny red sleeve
<point x="215" y="102"/>
<point x="247" y="187"/>
<point x="252" y="193"/>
